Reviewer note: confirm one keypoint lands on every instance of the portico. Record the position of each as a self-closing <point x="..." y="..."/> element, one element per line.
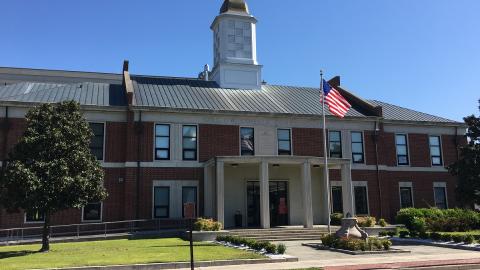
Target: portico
<point x="272" y="189"/>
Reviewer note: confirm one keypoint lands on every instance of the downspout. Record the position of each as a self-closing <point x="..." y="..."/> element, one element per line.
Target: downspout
<point x="139" y="131"/>
<point x="379" y="186"/>
<point x="6" y="128"/>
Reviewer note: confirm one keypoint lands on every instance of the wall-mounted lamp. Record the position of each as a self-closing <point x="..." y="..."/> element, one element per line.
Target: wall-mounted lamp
<point x="234" y="165"/>
<point x="276" y="165"/>
<point x="316" y="166"/>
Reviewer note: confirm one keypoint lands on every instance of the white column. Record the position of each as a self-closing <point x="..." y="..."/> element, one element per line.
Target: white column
<point x="220" y="192"/>
<point x="264" y="196"/>
<point x="324" y="200"/>
<point x="307" y="195"/>
<point x="207" y="192"/>
<point x="347" y="189"/>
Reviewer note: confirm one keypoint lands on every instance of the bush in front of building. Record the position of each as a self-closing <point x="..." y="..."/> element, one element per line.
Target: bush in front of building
<point x="259" y="246"/>
<point x="336" y="219"/>
<point x="352" y="244"/>
<point x="207" y="225"/>
<point x="366" y="221"/>
<point x="382" y="222"/>
<point x="447" y="220"/>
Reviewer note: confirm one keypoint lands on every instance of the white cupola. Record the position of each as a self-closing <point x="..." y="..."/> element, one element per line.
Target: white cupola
<point x="235" y="47"/>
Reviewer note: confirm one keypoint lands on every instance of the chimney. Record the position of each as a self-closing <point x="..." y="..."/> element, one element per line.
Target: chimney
<point x="206" y="71"/>
<point x="127" y="83"/>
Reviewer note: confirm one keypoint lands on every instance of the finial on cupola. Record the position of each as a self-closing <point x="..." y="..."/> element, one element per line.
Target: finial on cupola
<point x="234" y="6"/>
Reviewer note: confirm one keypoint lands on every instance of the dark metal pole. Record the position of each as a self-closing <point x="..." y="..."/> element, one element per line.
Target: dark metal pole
<point x="192" y="267"/>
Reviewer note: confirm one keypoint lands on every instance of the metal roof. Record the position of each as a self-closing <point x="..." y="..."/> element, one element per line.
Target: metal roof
<point x="195" y="94"/>
<point x="397" y="113"/>
<point x="178" y="93"/>
<point x="87" y="93"/>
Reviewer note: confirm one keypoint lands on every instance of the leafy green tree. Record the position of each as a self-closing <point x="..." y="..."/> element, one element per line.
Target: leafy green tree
<point x="467" y="168"/>
<point x="51" y="168"/>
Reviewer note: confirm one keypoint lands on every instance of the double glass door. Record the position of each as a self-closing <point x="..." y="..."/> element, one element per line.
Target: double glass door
<point x="278" y="194"/>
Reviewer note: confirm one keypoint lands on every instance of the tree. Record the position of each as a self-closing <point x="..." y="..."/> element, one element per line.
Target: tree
<point x="467" y="168"/>
<point x="51" y="168"/>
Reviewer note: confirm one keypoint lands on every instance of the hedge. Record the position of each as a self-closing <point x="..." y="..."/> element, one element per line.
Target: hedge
<point x="371" y="244"/>
<point x="433" y="219"/>
<point x="253" y="244"/>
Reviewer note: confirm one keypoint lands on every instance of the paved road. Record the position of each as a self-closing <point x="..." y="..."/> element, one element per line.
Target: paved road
<point x="309" y="257"/>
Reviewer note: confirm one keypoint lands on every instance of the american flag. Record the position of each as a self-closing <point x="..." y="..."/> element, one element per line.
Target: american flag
<point x="337" y="104"/>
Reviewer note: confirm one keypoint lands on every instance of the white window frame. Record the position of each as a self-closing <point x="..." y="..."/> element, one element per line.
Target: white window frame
<point x="240" y="140"/>
<point x="363" y="146"/>
<point x="405" y="185"/>
<point x="31" y="222"/>
<point x="335" y="184"/>
<point x="176" y="199"/>
<point x="361" y="184"/>
<point x="444" y="186"/>
<point x="170" y="142"/>
<point x="198" y="142"/>
<point x="104" y="137"/>
<point x="93" y="221"/>
<point x="408" y="150"/>
<point x="341" y="143"/>
<point x="291" y="141"/>
<point x="441" y="150"/>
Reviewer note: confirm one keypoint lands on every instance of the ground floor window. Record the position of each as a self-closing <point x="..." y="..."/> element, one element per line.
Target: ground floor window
<point x="337" y="199"/>
<point x="406" y="197"/>
<point x="161" y="202"/>
<point x="92" y="212"/>
<point x="189" y="195"/>
<point x="440" y="196"/>
<point x="361" y="200"/>
<point x="34" y="216"/>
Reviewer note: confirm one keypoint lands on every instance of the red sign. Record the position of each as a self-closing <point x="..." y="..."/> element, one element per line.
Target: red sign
<point x="189" y="210"/>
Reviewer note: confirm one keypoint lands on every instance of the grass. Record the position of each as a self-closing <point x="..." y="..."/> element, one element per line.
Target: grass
<point x="474" y="232"/>
<point x="114" y="252"/>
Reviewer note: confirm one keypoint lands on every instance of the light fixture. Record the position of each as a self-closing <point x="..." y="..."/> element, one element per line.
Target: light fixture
<point x="234" y="165"/>
<point x="316" y="166"/>
<point x="276" y="165"/>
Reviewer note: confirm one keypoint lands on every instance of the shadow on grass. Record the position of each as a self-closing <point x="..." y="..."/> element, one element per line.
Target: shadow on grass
<point x="186" y="245"/>
<point x="11" y="254"/>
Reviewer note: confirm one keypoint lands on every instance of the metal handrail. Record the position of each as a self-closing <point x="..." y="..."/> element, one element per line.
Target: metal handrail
<point x="131" y="226"/>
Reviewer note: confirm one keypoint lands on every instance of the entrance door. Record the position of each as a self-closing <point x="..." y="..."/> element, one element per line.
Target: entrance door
<point x="278" y="194"/>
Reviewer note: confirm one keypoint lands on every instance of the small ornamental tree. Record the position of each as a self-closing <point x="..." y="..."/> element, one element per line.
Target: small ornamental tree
<point x="467" y="168"/>
<point x="51" y="168"/>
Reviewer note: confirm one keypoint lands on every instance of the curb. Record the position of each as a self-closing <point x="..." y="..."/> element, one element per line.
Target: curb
<point x="158" y="266"/>
<point x="445" y="267"/>
<point x="433" y="244"/>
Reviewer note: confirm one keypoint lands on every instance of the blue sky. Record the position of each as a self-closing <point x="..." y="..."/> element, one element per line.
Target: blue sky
<point x="423" y="55"/>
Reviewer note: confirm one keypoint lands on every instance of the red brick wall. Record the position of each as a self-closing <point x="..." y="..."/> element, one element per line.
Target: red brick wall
<point x="16" y="127"/>
<point x="369" y="138"/>
<point x="307" y="142"/>
<point x="419" y="150"/>
<point x="115" y="142"/>
<point x="449" y="148"/>
<point x="386" y="149"/>
<point x="218" y="140"/>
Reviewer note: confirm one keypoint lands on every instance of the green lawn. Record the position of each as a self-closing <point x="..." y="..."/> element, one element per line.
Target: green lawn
<point x="114" y="252"/>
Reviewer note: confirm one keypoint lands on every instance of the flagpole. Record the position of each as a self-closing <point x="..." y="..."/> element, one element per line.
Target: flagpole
<point x="325" y="153"/>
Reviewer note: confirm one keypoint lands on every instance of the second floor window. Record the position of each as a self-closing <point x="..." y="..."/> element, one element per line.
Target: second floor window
<point x="162" y="142"/>
<point x="335" y="144"/>
<point x="247" y="141"/>
<point x="402" y="149"/>
<point x="357" y="147"/>
<point x="189" y="142"/>
<point x="284" y="142"/>
<point x="96" y="143"/>
<point x="435" y="150"/>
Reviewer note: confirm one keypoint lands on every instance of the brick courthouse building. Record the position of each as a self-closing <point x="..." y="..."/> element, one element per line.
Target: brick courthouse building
<point x="235" y="145"/>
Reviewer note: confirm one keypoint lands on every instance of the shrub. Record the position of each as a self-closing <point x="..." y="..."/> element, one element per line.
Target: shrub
<point x="281" y="248"/>
<point x="424" y="235"/>
<point x="435" y="236"/>
<point x="446" y="237"/>
<point x="366" y="221"/>
<point x="469" y="239"/>
<point x="448" y="220"/>
<point x="329" y="240"/>
<point x="382" y="222"/>
<point x="404" y="234"/>
<point x="270" y="248"/>
<point x="203" y="224"/>
<point x="383" y="233"/>
<point x="458" y="238"/>
<point x="336" y="219"/>
<point x="392" y="233"/>
<point x="418" y="224"/>
<point x="386" y="244"/>
<point x="355" y="244"/>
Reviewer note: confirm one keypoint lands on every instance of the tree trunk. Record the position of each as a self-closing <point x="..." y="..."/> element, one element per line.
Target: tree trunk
<point x="46" y="234"/>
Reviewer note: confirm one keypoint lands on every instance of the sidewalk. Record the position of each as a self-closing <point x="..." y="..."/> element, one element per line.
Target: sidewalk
<point x="421" y="256"/>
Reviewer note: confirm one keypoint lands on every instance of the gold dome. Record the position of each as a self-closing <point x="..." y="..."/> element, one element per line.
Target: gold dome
<point x="235" y="6"/>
